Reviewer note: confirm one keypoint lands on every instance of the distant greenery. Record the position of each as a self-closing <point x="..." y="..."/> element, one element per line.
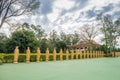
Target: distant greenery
<point x="8" y="58"/>
<point x="33" y="36"/>
<point x="28" y="35"/>
<point x="1" y="59"/>
<point x="23" y="39"/>
<point x="111" y="32"/>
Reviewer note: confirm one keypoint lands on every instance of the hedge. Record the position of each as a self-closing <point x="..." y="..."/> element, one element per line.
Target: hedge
<point x="1" y="59"/>
<point x="8" y="58"/>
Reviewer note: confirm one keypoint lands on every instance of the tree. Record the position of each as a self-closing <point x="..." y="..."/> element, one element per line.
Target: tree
<point x="19" y="26"/>
<point x="67" y="38"/>
<point x="14" y="8"/>
<point x="43" y="45"/>
<point x="39" y="32"/>
<point x="75" y="38"/>
<point x="23" y="39"/>
<point x="53" y="40"/>
<point x="54" y="37"/>
<point x="2" y="36"/>
<point x="61" y="45"/>
<point x="89" y="32"/>
<point x="3" y="39"/>
<point x="110" y="30"/>
<point x="36" y="29"/>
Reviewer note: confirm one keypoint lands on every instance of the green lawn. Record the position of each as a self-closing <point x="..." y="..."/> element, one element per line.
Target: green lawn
<point x="86" y="69"/>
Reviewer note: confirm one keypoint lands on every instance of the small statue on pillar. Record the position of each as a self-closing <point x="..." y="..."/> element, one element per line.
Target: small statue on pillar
<point x="81" y="54"/>
<point x="47" y="55"/>
<point x="61" y="54"/>
<point x="84" y="54"/>
<point x="54" y="54"/>
<point x="76" y="54"/>
<point x="91" y="54"/>
<point x="38" y="55"/>
<point x="72" y="54"/>
<point x="28" y="55"/>
<point x="67" y="54"/>
<point x="16" y="55"/>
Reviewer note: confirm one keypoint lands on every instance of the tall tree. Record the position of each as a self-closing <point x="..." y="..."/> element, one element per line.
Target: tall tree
<point x="3" y="39"/>
<point x="53" y="39"/>
<point x="23" y="39"/>
<point x="110" y="30"/>
<point x="43" y="45"/>
<point x="75" y="38"/>
<point x="39" y="32"/>
<point x="54" y="36"/>
<point x="36" y="29"/>
<point x="67" y="38"/>
<point x="14" y="8"/>
<point x="2" y="36"/>
<point x="89" y="32"/>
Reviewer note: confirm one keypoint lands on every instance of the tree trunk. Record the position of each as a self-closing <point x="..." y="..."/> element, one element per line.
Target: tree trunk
<point x="2" y="21"/>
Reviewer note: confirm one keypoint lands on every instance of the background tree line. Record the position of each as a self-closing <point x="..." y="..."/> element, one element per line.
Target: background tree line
<point x="25" y="34"/>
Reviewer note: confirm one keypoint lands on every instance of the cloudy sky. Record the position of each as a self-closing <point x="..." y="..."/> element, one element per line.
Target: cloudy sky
<point x="69" y="15"/>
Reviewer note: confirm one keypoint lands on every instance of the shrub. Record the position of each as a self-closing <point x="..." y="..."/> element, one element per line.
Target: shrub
<point x="1" y="59"/>
<point x="22" y="58"/>
<point x="8" y="58"/>
<point x="0" y="62"/>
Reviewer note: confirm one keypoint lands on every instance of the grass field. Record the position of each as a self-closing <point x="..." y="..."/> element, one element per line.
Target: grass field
<point x="86" y="69"/>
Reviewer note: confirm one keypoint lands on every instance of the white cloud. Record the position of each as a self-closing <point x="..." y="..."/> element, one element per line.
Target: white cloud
<point x="64" y="4"/>
<point x="58" y="6"/>
<point x="53" y="16"/>
<point x="76" y="19"/>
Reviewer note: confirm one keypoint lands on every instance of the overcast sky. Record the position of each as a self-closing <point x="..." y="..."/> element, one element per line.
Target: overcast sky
<point x="69" y="15"/>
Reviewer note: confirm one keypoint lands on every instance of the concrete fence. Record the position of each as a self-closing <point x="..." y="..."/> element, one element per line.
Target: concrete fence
<point x="68" y="55"/>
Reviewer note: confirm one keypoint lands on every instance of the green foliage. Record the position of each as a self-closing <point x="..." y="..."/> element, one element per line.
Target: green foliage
<point x="24" y="35"/>
<point x="75" y="38"/>
<point x="117" y="49"/>
<point x="61" y="45"/>
<point x="53" y="40"/>
<point x="43" y="45"/>
<point x="66" y="38"/>
<point x="3" y="39"/>
<point x="2" y="47"/>
<point x="0" y="62"/>
<point x="23" y="39"/>
<point x="22" y="58"/>
<point x="103" y="48"/>
<point x="69" y="39"/>
<point x="36" y="29"/>
<point x="8" y="58"/>
<point x="111" y="31"/>
<point x="1" y="59"/>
